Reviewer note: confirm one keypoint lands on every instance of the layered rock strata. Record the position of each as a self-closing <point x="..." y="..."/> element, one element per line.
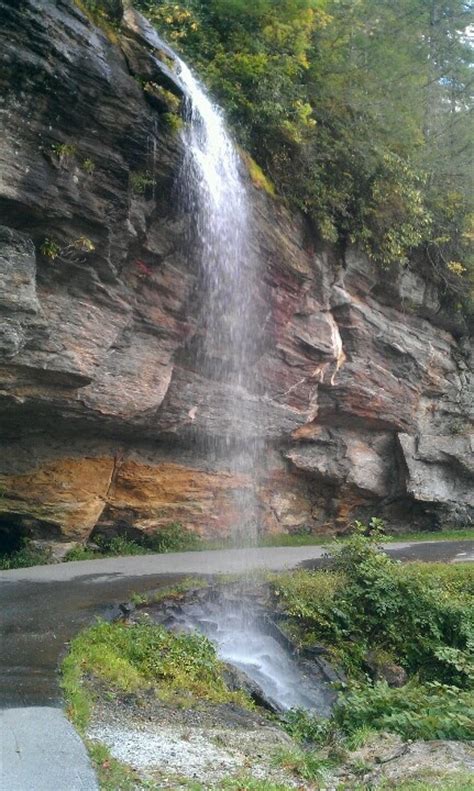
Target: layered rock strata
<point x="361" y="391"/>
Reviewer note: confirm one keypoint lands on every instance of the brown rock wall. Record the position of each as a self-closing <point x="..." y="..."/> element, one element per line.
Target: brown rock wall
<point x="360" y="402"/>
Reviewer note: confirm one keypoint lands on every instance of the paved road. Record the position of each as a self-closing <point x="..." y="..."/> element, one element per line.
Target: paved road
<point x="45" y="606"/>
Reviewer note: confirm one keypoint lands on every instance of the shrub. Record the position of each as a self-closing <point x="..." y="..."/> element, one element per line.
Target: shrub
<point x="140" y="181"/>
<point x="306" y="727"/>
<point x="119" y="545"/>
<point x="64" y="151"/>
<point x="415" y="711"/>
<point x="27" y="555"/>
<point x="50" y="248"/>
<point x="422" y="616"/>
<point x="172" y="538"/>
<point x="88" y="166"/>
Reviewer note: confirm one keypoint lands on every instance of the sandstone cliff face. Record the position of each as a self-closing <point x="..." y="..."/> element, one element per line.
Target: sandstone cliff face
<point x="360" y="401"/>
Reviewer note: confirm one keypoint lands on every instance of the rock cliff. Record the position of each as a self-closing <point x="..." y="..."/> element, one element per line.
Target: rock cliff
<point x="361" y="392"/>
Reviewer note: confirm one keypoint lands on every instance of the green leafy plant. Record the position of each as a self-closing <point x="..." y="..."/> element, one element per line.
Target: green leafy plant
<point x="306" y="727"/>
<point x="119" y="545"/>
<point x="88" y="166"/>
<point x="307" y="764"/>
<point x="64" y="151"/>
<point x="419" y="615"/>
<point x="50" y="248"/>
<point x="140" y="181"/>
<point x="106" y="14"/>
<point x="172" y="538"/>
<point x="26" y="555"/>
<point x="72" y="252"/>
<point x="415" y="711"/>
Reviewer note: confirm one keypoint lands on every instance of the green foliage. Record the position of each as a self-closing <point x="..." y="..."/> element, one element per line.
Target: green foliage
<point x="64" y="151"/>
<point x="106" y="14"/>
<point x="27" y="555"/>
<point x="257" y="176"/>
<point x="132" y="658"/>
<point x="88" y="166"/>
<point x="358" y="112"/>
<point x="119" y="545"/>
<point x="173" y="121"/>
<point x="172" y="538"/>
<point x="72" y="252"/>
<point x="50" y="248"/>
<point x="428" y="629"/>
<point x="140" y="181"/>
<point x="422" y="615"/>
<point x="249" y="784"/>
<point x="80" y="553"/>
<point x="429" y="781"/>
<point x="113" y="775"/>
<point x="306" y="764"/>
<point x="307" y="728"/>
<point x="169" y="538"/>
<point x="415" y="711"/>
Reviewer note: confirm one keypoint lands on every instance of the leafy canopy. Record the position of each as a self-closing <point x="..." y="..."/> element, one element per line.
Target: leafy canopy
<point x="359" y="112"/>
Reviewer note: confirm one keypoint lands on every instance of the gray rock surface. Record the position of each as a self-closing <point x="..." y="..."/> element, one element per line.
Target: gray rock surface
<point x="362" y="399"/>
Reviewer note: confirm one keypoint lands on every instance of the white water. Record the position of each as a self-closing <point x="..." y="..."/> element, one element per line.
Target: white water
<point x="233" y="625"/>
<point x="214" y="195"/>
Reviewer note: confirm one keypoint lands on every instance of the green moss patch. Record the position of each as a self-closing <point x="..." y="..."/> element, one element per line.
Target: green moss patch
<point x="134" y="658"/>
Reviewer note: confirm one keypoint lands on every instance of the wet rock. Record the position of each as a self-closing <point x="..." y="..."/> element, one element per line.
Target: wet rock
<point x="383" y="668"/>
<point x="360" y="401"/>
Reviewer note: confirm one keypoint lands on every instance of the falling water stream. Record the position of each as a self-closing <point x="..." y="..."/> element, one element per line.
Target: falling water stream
<point x="213" y="197"/>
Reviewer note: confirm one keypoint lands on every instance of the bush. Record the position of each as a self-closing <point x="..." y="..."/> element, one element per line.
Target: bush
<point x="27" y="555"/>
<point x="119" y="545"/>
<point x="416" y="711"/>
<point x="420" y="615"/>
<point x="172" y="538"/>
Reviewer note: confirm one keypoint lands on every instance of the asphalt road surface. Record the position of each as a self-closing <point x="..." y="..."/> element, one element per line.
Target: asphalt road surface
<point x="43" y="607"/>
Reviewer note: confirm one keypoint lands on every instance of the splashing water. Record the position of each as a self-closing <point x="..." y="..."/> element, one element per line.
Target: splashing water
<point x="214" y="196"/>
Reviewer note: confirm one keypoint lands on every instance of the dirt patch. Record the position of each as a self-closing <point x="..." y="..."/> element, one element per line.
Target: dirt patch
<point x="205" y="744"/>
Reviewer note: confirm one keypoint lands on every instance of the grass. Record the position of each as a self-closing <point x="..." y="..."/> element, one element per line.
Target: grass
<point x="466" y="534"/>
<point x="305" y="764"/>
<point x="24" y="557"/>
<point x="175" y="538"/>
<point x="428" y="781"/>
<point x="182" y="669"/>
<point x="171" y="592"/>
<point x="113" y="775"/>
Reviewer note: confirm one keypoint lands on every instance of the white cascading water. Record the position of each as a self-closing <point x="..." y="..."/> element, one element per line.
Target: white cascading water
<point x="214" y="195"/>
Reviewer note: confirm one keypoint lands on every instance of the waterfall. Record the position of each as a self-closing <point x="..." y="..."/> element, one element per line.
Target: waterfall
<point x="214" y="197"/>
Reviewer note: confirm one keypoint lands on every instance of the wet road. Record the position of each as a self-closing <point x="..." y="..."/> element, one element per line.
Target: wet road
<point x="45" y="606"/>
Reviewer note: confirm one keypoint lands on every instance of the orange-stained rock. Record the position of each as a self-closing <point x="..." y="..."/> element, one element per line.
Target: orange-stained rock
<point x="67" y="493"/>
<point x="150" y="496"/>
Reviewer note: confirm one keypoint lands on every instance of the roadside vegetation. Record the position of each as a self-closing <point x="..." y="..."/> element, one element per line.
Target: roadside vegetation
<point x="175" y="538"/>
<point x="403" y="635"/>
<point x="23" y="556"/>
<point x="142" y="658"/>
